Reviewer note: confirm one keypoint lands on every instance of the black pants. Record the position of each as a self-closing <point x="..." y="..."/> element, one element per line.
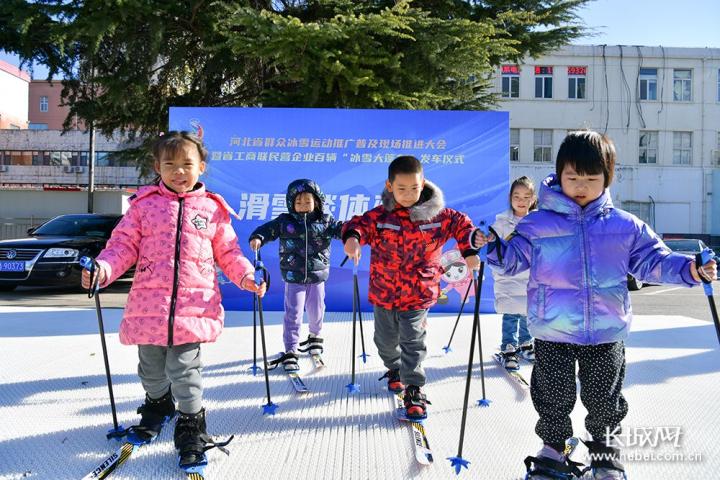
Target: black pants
<point x="601" y="373"/>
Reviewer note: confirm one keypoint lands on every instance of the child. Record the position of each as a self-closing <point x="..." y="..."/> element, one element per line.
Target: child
<point x="579" y="250"/>
<point x="511" y="292"/>
<point x="175" y="231"/>
<point x="305" y="233"/>
<point x="406" y="235"/>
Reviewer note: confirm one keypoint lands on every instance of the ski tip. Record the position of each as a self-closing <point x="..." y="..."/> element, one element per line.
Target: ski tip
<point x="269" y="408"/>
<point x="353" y="388"/>
<point x="458" y="463"/>
<point x="483" y="402"/>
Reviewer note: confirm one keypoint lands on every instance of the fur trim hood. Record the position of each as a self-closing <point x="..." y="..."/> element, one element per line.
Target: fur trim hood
<point x="432" y="202"/>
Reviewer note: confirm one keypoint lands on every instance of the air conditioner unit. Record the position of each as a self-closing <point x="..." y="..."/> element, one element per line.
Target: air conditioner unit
<point x="68" y="169"/>
<point x="79" y="169"/>
<point x="3" y="168"/>
<point x="715" y="158"/>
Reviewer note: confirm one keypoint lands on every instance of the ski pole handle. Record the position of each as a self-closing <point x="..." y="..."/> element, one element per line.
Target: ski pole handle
<point x="701" y="259"/>
<point x="87" y="263"/>
<point x="483" y="227"/>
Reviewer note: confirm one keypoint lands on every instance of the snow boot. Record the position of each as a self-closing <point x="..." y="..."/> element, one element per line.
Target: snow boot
<point x="192" y="439"/>
<point x="289" y="361"/>
<point x="313" y="345"/>
<point x="509" y="358"/>
<point x="393" y="381"/>
<point x="527" y="351"/>
<point x="549" y="464"/>
<point x="604" y="464"/>
<point x="154" y="414"/>
<point x="416" y="403"/>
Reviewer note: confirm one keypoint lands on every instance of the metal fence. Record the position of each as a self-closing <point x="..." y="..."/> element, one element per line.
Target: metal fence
<point x="17" y="227"/>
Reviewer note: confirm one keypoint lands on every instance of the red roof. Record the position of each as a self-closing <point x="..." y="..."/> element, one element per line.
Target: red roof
<point x="13" y="70"/>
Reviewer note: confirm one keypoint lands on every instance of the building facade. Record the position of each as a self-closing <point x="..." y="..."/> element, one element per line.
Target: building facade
<point x="45" y="109"/>
<point x="660" y="106"/>
<point x="14" y="87"/>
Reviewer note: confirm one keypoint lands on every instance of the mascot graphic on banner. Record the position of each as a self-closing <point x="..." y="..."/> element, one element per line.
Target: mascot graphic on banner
<point x="456" y="275"/>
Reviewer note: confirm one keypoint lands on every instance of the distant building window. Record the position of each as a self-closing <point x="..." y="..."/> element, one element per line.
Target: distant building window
<point x="648" y="147"/>
<point x="514" y="145"/>
<point x="43" y="103"/>
<point x="543" y="146"/>
<point x="718" y="85"/>
<point x="576" y="82"/>
<point x="38" y="126"/>
<point x="682" y="85"/>
<point x="682" y="148"/>
<point x="543" y="82"/>
<point x="510" y="81"/>
<point x="648" y="84"/>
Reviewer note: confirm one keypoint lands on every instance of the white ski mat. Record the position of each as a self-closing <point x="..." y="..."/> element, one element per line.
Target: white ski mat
<point x="54" y="408"/>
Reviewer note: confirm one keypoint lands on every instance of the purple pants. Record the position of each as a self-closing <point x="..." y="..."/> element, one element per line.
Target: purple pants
<point x="298" y="297"/>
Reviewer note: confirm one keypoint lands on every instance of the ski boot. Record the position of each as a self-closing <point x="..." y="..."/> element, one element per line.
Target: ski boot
<point x="416" y="403"/>
<point x="527" y="351"/>
<point x="192" y="439"/>
<point x="154" y="414"/>
<point x="604" y="464"/>
<point x="549" y="464"/>
<point x="510" y="359"/>
<point x="289" y="361"/>
<point x="313" y="345"/>
<point x="393" y="381"/>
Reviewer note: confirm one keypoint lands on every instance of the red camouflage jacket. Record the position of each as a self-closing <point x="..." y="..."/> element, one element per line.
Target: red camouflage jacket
<point x="405" y="247"/>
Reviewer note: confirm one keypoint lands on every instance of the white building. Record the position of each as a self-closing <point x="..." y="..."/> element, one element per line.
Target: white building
<point x="661" y="107"/>
<point x="14" y="88"/>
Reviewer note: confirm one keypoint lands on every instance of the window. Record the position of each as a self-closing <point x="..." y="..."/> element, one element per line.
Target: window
<point x="682" y="85"/>
<point x="543" y="146"/>
<point x="648" y="84"/>
<point x="38" y="126"/>
<point x="514" y="145"/>
<point x="576" y="82"/>
<point x="43" y="103"/>
<point x="648" y="147"/>
<point x="682" y="148"/>
<point x="21" y="158"/>
<point x="510" y="81"/>
<point x="102" y="159"/>
<point x="543" y="82"/>
<point x="718" y="92"/>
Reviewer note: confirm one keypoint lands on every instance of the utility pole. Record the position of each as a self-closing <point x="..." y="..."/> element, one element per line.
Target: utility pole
<point x="91" y="167"/>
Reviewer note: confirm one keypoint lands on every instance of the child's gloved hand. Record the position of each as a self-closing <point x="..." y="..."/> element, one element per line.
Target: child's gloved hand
<point x="478" y="239"/>
<point x="352" y="248"/>
<point x="99" y="274"/>
<point x="255" y="244"/>
<point x="473" y="262"/>
<point x="707" y="271"/>
<point x="249" y="284"/>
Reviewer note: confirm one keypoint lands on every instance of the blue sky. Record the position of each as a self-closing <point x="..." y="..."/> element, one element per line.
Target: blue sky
<point x="671" y="23"/>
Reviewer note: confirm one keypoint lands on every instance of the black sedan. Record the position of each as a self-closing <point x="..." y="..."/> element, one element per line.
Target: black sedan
<point x="51" y="252"/>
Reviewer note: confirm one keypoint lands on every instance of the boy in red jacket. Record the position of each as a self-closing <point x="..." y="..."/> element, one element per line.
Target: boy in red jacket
<point x="406" y="235"/>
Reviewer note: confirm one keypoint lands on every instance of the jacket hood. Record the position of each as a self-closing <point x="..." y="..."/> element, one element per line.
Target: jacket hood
<point x="199" y="191"/>
<point x="431" y="202"/>
<point x="552" y="198"/>
<point x="303" y="185"/>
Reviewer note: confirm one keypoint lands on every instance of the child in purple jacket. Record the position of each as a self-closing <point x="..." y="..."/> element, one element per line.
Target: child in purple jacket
<point x="579" y="250"/>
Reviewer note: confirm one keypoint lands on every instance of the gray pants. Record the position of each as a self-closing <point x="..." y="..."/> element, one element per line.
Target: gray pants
<point x="178" y="367"/>
<point x="400" y="340"/>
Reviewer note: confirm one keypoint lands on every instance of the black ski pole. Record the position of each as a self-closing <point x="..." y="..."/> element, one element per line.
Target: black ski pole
<point x="254" y="369"/>
<point x="701" y="259"/>
<point x="457" y="320"/>
<point x="483" y="402"/>
<point x="262" y="275"/>
<point x="356" y="291"/>
<point x="94" y="291"/>
<point x="353" y="387"/>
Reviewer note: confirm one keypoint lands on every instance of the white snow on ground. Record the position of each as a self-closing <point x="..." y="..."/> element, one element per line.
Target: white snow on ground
<point x="54" y="408"/>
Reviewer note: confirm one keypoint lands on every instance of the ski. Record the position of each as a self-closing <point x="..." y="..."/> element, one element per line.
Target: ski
<point x="195" y="471"/>
<point x="297" y="382"/>
<point x="513" y="374"/>
<point x="423" y="453"/>
<point x="112" y="462"/>
<point x="317" y="360"/>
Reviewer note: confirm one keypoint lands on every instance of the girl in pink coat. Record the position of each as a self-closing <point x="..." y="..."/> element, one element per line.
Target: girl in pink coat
<point x="174" y="232"/>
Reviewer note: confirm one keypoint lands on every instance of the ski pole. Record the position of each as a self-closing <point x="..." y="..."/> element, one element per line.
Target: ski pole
<point x="254" y="367"/>
<point x="353" y="387"/>
<point x="457" y="320"/>
<point x="359" y="312"/>
<point x="262" y="275"/>
<point x="701" y="259"/>
<point x="483" y="402"/>
<point x="89" y="264"/>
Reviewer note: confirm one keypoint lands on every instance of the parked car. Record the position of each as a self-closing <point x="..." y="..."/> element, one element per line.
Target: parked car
<point x="51" y="252"/>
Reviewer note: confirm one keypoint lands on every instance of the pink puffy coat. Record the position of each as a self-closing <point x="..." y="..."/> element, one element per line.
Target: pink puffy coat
<point x="175" y="240"/>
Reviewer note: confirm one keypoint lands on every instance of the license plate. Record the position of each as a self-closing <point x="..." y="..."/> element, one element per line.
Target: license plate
<point x="12" y="266"/>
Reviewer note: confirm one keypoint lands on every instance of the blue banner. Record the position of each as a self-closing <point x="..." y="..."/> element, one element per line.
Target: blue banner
<point x="256" y="152"/>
